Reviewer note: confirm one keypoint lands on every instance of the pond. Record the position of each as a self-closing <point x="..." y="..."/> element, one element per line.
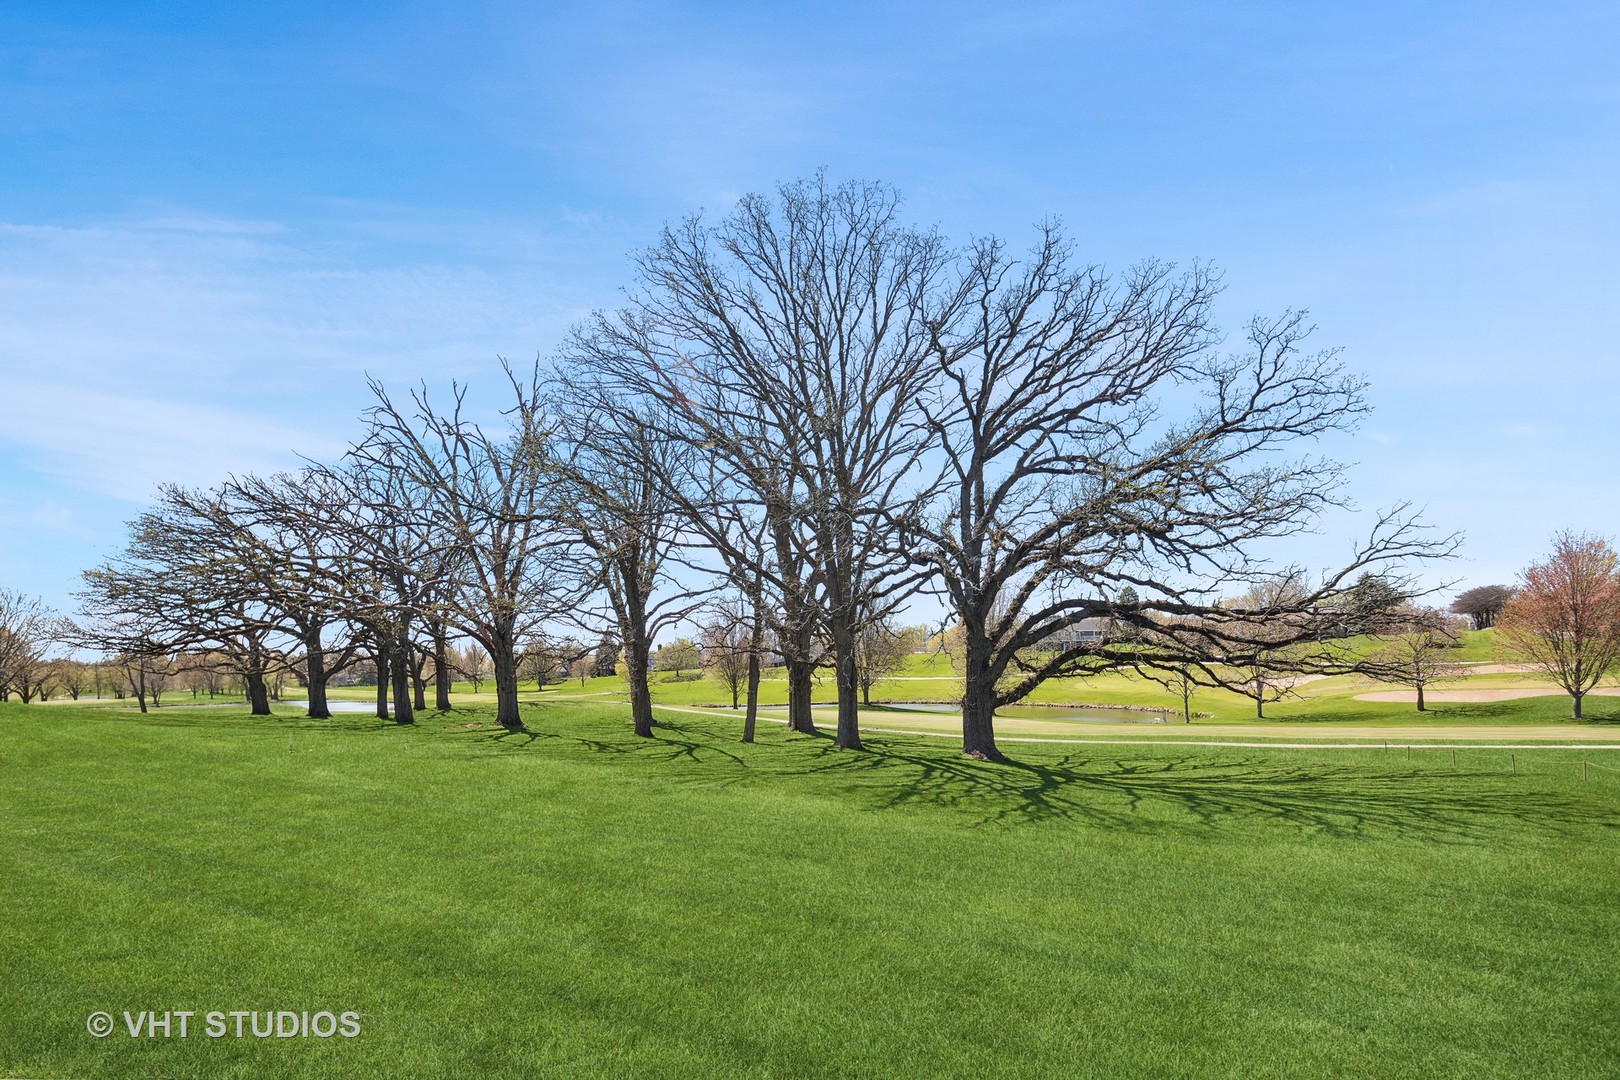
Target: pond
<point x="336" y="705"/>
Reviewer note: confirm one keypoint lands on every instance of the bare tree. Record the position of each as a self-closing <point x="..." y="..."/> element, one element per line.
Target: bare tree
<point x="75" y="677"/>
<point x="473" y="665"/>
<point x="1275" y="650"/>
<point x="734" y="641"/>
<point x="159" y="671"/>
<point x="186" y="582"/>
<point x="134" y="667"/>
<point x="443" y="665"/>
<point x="883" y="648"/>
<point x="540" y="660"/>
<point x="621" y="501"/>
<point x="145" y="674"/>
<point x="1565" y="617"/>
<point x="1065" y="483"/>
<point x="492" y="496"/>
<point x="1419" y="650"/>
<point x="302" y="566"/>
<point x="788" y="344"/>
<point x="1182" y="680"/>
<point x="725" y="647"/>
<point x="403" y="557"/>
<point x="28" y="628"/>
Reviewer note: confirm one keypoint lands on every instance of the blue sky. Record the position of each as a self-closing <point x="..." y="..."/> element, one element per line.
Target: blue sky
<point x="214" y="219"/>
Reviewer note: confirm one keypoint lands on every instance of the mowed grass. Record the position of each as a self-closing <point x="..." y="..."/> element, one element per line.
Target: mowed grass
<point x="929" y="677"/>
<point x="572" y="901"/>
<point x="1330" y="700"/>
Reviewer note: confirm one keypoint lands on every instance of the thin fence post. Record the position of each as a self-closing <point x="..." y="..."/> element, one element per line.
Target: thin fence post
<point x="1453" y="757"/>
<point x="1515" y="758"/>
<point x="1583" y="772"/>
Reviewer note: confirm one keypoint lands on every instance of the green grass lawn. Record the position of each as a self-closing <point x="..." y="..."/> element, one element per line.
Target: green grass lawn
<point x="1476" y="646"/>
<point x="928" y="678"/>
<point x="572" y="901"/>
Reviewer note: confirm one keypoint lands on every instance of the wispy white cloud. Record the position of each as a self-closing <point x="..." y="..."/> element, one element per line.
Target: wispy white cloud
<point x="122" y="446"/>
<point x="248" y="314"/>
<point x="121" y="305"/>
<point x="182" y="346"/>
<point x="51" y="516"/>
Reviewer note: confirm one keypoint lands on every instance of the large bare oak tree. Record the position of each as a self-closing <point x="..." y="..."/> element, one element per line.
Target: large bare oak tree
<point x="1067" y="483"/>
<point x="787" y="343"/>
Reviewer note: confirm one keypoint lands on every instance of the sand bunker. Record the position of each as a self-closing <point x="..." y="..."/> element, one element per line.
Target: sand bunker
<point x="1410" y="696"/>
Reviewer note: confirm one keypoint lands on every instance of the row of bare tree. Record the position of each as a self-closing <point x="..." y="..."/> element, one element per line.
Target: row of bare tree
<point x="36" y="662"/>
<point x="806" y="414"/>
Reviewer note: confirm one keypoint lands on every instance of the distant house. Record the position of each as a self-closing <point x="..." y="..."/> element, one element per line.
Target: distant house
<point x="1085" y="632"/>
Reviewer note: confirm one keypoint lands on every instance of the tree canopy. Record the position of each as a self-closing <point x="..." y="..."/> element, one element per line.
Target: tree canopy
<point x="1482" y="604"/>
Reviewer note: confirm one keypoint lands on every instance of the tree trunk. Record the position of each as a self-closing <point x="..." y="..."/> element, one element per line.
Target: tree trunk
<point x="979" y="728"/>
<point x="419" y="680"/>
<point x="979" y="700"/>
<point x="756" y="641"/>
<point x="636" y="661"/>
<point x="849" y="689"/>
<point x="752" y="700"/>
<point x="315" y="664"/>
<point x="441" y="670"/>
<point x="1420" y="698"/>
<point x="797" y="627"/>
<point x="503" y="655"/>
<point x="799" y="676"/>
<point x="1577" y="713"/>
<point x="380" y="660"/>
<point x="400" y="664"/>
<point x="258" y="694"/>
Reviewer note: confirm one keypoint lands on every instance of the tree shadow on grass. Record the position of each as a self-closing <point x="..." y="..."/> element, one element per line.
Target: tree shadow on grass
<point x="668" y="742"/>
<point x="1182" y="792"/>
<point x="1546" y="709"/>
<point x="1145" y="790"/>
